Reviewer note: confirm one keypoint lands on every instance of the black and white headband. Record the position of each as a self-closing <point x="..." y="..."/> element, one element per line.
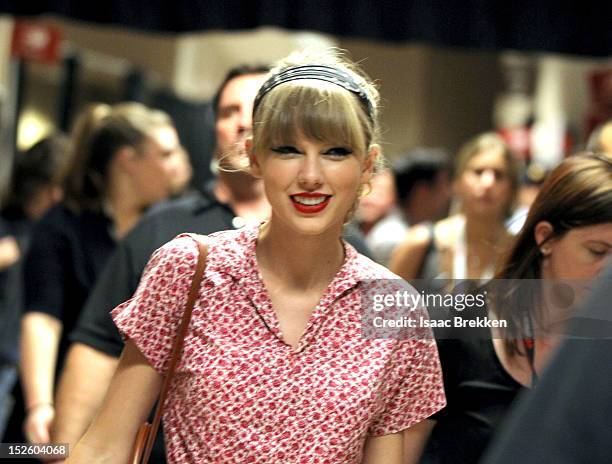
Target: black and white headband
<point x="318" y="72"/>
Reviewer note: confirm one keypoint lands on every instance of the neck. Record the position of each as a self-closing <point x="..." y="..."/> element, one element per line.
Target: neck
<point x="418" y="211"/>
<point x="483" y="230"/>
<point x="238" y="187"/>
<point x="243" y="194"/>
<point x="124" y="213"/>
<point x="307" y="261"/>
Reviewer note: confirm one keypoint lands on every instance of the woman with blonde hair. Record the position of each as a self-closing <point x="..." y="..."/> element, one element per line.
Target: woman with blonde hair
<point x="275" y="367"/>
<point x="466" y="245"/>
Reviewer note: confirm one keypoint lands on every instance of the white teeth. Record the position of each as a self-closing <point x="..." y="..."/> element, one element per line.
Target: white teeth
<point x="309" y="201"/>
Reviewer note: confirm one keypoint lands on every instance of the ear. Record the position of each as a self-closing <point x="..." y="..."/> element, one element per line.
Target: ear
<point x="125" y="157"/>
<point x="542" y="232"/>
<point x="254" y="167"/>
<point x="370" y="163"/>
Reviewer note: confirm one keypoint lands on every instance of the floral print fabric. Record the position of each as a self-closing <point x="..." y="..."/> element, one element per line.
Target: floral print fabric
<point x="242" y="395"/>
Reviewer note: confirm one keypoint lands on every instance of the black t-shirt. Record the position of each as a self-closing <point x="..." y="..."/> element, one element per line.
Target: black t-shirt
<point x="198" y="213"/>
<point x="479" y="392"/>
<point x="66" y="254"/>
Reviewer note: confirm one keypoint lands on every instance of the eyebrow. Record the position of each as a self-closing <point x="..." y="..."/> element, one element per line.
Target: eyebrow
<point x="601" y="242"/>
<point x="229" y="106"/>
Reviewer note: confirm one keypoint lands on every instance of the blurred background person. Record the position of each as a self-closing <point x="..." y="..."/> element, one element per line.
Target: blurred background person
<point x="35" y="187"/>
<point x="379" y="217"/>
<point x="601" y="138"/>
<point x="124" y="160"/>
<point x="567" y="235"/>
<point x="415" y="189"/>
<point x="423" y="179"/>
<point x="466" y="245"/>
<point x="531" y="182"/>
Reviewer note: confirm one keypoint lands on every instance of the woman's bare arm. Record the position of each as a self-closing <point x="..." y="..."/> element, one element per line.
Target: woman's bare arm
<point x="40" y="335"/>
<point x="404" y="447"/>
<point x="386" y="449"/>
<point x="128" y="402"/>
<point x="415" y="439"/>
<point x="85" y="379"/>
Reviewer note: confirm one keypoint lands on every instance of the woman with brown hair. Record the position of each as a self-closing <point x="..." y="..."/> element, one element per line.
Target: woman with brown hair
<point x="466" y="245"/>
<point x="567" y="238"/>
<point x="564" y="244"/>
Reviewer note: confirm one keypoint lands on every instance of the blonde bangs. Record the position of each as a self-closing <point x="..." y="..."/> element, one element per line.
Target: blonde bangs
<point x="316" y="110"/>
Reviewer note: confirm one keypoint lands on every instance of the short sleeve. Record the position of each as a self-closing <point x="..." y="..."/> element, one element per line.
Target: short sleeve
<point x="116" y="284"/>
<point x="413" y="388"/>
<point x="150" y="319"/>
<point x="45" y="266"/>
<point x="449" y="352"/>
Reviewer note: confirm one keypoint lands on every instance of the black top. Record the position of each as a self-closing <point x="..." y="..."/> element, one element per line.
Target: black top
<point x="479" y="392"/>
<point x="198" y="213"/>
<point x="67" y="253"/>
<point x="567" y="418"/>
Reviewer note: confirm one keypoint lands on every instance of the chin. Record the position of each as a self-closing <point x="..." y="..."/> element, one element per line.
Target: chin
<point x="488" y="212"/>
<point x="312" y="227"/>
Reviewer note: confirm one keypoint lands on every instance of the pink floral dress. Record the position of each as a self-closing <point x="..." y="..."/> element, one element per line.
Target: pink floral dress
<point x="241" y="394"/>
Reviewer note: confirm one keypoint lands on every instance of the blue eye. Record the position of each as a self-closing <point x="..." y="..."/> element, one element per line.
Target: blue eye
<point x="285" y="150"/>
<point x="339" y="152"/>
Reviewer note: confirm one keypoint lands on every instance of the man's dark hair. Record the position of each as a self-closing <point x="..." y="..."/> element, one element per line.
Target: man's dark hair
<point x="419" y="165"/>
<point x="241" y="70"/>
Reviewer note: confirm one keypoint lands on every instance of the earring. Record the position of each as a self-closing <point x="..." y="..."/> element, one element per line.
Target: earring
<point x="545" y="251"/>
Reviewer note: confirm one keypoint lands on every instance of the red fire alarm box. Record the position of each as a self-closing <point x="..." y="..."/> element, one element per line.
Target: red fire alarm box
<point x="34" y="41"/>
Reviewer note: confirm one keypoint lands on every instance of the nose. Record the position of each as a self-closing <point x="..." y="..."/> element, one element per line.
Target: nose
<point x="245" y="120"/>
<point x="487" y="178"/>
<point x="310" y="176"/>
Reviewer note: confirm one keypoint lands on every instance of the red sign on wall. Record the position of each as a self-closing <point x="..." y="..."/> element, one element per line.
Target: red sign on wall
<point x="36" y="42"/>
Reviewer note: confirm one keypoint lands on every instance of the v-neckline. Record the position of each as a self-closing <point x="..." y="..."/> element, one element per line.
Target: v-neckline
<point x="265" y="308"/>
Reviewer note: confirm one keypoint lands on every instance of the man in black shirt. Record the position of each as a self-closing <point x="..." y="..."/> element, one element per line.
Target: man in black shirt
<point x="235" y="200"/>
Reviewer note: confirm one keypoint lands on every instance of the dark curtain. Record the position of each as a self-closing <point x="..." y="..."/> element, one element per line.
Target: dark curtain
<point x="583" y="28"/>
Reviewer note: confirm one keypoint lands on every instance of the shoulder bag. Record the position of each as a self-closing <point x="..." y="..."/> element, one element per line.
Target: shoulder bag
<point x="148" y="431"/>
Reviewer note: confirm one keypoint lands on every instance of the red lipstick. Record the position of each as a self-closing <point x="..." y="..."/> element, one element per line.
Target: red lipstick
<point x="310" y="202"/>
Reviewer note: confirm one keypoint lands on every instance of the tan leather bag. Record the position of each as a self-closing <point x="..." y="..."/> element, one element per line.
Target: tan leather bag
<point x="148" y="431"/>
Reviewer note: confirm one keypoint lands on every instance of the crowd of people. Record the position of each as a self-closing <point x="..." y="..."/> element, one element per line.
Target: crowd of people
<point x="100" y="240"/>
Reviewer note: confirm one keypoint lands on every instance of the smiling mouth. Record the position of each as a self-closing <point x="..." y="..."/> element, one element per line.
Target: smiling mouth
<point x="310" y="203"/>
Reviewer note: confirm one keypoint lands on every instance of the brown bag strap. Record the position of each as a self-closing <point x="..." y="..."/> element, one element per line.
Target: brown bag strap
<point x="178" y="346"/>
